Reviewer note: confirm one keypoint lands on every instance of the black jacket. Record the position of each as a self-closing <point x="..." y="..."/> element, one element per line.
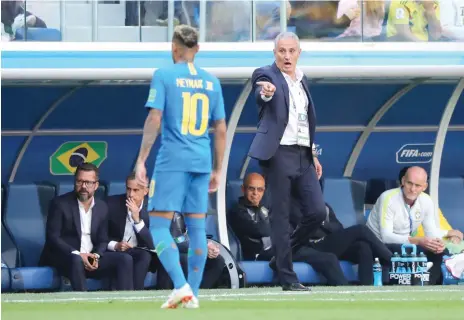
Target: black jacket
<point x="63" y="229"/>
<point x="250" y="224"/>
<point x="117" y="221"/>
<point x="330" y="225"/>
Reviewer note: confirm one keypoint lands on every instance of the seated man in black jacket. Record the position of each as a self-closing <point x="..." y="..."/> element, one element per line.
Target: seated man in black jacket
<point x="214" y="263"/>
<point x="77" y="236"/>
<point x="129" y="228"/>
<point x="356" y="244"/>
<point x="250" y="222"/>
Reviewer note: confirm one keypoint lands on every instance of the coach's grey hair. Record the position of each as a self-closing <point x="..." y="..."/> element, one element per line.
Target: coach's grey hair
<point x="286" y="35"/>
<point x="186" y="35"/>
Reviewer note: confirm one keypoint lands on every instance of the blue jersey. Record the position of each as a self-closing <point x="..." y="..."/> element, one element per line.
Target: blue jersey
<point x="190" y="98"/>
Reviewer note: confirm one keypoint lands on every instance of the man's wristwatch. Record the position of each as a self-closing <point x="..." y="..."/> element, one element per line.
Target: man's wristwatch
<point x="137" y="222"/>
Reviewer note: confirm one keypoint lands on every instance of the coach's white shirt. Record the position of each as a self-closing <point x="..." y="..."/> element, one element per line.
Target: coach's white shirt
<point x="298" y="103"/>
<point x="393" y="221"/>
<point x="86" y="227"/>
<point x="130" y="229"/>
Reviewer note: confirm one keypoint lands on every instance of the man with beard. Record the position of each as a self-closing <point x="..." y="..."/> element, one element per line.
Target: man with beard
<point x="77" y="236"/>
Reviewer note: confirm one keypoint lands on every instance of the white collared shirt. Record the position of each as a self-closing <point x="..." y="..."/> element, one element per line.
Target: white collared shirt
<point x="129" y="231"/>
<point x="393" y="221"/>
<point x="298" y="103"/>
<point x="86" y="227"/>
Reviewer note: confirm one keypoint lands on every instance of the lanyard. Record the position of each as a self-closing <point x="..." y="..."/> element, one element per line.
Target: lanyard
<point x="408" y="209"/>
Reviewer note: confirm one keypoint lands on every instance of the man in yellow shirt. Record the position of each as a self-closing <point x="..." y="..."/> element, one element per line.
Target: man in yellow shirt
<point x="414" y="20"/>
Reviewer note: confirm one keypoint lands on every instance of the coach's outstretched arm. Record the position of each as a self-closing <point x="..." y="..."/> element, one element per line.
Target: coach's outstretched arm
<point x="263" y="87"/>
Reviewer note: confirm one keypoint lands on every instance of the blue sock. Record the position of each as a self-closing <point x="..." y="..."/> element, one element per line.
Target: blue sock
<point x="167" y="250"/>
<point x="198" y="251"/>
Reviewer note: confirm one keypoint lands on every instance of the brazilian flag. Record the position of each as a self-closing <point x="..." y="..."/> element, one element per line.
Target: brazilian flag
<point x="72" y="153"/>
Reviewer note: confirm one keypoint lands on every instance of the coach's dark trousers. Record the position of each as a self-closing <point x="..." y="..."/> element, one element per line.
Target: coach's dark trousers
<point x="290" y="171"/>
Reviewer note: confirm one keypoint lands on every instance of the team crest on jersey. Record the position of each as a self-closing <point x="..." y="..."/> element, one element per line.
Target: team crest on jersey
<point x="418" y="214"/>
<point x="152" y="95"/>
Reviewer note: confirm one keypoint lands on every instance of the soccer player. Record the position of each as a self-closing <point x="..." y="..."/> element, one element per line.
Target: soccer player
<point x="187" y="98"/>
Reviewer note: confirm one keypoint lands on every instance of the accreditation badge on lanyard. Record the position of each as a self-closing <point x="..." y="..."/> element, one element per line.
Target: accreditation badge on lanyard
<point x="302" y="124"/>
<point x="303" y="130"/>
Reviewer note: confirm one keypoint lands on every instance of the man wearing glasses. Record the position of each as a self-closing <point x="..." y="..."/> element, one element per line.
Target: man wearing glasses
<point x="77" y="236"/>
<point x="250" y="220"/>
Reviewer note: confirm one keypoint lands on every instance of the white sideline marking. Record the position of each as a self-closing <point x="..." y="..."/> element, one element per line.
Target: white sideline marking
<point x="230" y="296"/>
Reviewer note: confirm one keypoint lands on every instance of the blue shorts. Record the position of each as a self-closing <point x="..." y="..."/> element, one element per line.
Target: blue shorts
<point x="183" y="192"/>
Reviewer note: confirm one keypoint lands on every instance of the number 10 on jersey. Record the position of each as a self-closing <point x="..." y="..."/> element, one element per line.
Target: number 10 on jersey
<point x="189" y="113"/>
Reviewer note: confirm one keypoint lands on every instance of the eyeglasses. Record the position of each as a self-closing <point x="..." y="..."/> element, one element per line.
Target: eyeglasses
<point x="87" y="183"/>
<point x="253" y="189"/>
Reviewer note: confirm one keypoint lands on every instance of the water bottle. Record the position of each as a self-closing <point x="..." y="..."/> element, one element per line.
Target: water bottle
<point x="395" y="262"/>
<point x="414" y="263"/>
<point x="408" y="262"/>
<point x="401" y="268"/>
<point x="377" y="273"/>
<point x="422" y="261"/>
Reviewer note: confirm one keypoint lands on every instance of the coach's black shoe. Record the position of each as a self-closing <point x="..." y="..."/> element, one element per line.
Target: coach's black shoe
<point x="295" y="287"/>
<point x="273" y="264"/>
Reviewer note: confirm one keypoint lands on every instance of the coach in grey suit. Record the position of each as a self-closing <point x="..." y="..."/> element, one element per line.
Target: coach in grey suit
<point x="282" y="144"/>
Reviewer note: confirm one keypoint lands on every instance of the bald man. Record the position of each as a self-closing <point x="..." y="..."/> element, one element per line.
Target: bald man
<point x="250" y="220"/>
<point x="399" y="212"/>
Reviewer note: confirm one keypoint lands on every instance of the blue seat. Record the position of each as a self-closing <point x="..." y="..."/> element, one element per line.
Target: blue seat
<point x="92" y="284"/>
<point x="346" y="197"/>
<point x="6" y="279"/>
<point x="116" y="187"/>
<point x="25" y="213"/>
<point x="150" y="280"/>
<point x="375" y="187"/>
<point x="234" y="243"/>
<point x="259" y="272"/>
<point x="451" y="201"/>
<point x="10" y="254"/>
<point x="233" y="192"/>
<point x="34" y="278"/>
<point x="38" y="34"/>
<point x="211" y="227"/>
<point x="25" y="217"/>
